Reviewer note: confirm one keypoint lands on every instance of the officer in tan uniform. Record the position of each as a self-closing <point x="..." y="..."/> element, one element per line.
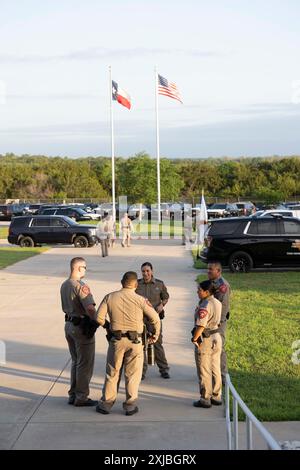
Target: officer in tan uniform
<point x="222" y="293"/>
<point x="156" y="292"/>
<point x="78" y="304"/>
<point x="126" y="226"/>
<point x="125" y="310"/>
<point x="208" y="346"/>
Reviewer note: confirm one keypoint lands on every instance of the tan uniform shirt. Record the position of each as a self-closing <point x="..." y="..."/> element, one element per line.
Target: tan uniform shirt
<point x="208" y="313"/>
<point x="125" y="309"/>
<point x="155" y="291"/>
<point x="75" y="297"/>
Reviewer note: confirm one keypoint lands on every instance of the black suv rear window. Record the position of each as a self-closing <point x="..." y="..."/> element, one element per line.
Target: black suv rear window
<point x="20" y="222"/>
<point x="40" y="222"/>
<point x="226" y="228"/>
<point x="291" y="227"/>
<point x="263" y="227"/>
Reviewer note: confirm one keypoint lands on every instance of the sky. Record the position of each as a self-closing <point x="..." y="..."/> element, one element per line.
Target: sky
<point x="235" y="63"/>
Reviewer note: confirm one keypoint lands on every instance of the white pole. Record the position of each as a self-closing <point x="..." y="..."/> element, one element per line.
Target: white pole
<point x="112" y="148"/>
<point x="157" y="146"/>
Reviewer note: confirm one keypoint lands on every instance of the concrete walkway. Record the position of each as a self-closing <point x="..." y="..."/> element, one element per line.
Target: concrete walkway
<point x="35" y="379"/>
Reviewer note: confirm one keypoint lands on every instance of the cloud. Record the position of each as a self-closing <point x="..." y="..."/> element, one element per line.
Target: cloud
<point x="96" y="53"/>
<point x="282" y="108"/>
<point x="254" y="137"/>
<point x="55" y="96"/>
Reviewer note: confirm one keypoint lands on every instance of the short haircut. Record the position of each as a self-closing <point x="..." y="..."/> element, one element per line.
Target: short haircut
<point x="75" y="261"/>
<point x="217" y="264"/>
<point x="128" y="278"/>
<point x="207" y="286"/>
<point x="147" y="263"/>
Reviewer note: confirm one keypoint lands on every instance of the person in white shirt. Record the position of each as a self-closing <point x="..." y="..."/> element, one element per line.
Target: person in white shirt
<point x="126" y="229"/>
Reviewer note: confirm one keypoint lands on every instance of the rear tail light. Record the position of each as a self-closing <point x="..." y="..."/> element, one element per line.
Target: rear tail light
<point x="207" y="241"/>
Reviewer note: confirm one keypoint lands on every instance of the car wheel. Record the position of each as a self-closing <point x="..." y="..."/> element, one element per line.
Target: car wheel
<point x="81" y="242"/>
<point x="26" y="242"/>
<point x="240" y="262"/>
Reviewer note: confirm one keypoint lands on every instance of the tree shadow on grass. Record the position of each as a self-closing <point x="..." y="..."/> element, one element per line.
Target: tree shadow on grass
<point x="269" y="397"/>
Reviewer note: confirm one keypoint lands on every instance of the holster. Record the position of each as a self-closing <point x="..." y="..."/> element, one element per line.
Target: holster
<point x="162" y="315"/>
<point x="117" y="334"/>
<point x="88" y="326"/>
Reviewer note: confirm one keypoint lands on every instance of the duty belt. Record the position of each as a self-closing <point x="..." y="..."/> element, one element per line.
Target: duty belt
<point x="131" y="335"/>
<point x="207" y="332"/>
<point x="73" y="318"/>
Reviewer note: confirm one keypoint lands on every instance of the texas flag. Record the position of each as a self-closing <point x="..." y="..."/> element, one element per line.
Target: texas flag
<point x="120" y="95"/>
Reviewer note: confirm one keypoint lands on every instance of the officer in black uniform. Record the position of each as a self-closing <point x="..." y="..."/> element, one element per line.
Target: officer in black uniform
<point x="156" y="292"/>
<point x="222" y="293"/>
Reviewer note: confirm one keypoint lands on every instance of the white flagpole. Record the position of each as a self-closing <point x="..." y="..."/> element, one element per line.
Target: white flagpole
<point x="112" y="148"/>
<point x="157" y="146"/>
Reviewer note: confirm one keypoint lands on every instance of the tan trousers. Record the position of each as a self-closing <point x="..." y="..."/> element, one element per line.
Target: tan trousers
<point x="129" y="355"/>
<point x="82" y="352"/>
<point x="207" y="359"/>
<point x="126" y="236"/>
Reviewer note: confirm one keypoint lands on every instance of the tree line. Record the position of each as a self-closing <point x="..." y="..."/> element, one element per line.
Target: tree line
<point x="37" y="177"/>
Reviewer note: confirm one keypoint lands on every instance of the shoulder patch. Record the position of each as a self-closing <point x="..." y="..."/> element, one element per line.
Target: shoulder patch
<point x="223" y="288"/>
<point x="86" y="290"/>
<point x="202" y="312"/>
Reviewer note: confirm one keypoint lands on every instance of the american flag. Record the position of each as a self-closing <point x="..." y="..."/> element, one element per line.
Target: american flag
<point x="168" y="89"/>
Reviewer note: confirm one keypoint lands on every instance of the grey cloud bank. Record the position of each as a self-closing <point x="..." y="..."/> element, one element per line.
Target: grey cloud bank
<point x="251" y="137"/>
<point x="96" y="53"/>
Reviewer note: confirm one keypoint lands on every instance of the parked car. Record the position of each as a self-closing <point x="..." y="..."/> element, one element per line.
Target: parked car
<point x="176" y="211"/>
<point x="135" y="209"/>
<point x="222" y="210"/>
<point x="274" y="212"/>
<point x="106" y="208"/>
<point x="72" y="212"/>
<point x="34" y="208"/>
<point x="247" y="242"/>
<point x="245" y="208"/>
<point x="5" y="212"/>
<point x="31" y="230"/>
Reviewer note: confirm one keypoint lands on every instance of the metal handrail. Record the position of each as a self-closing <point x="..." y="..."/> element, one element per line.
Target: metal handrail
<point x="232" y="434"/>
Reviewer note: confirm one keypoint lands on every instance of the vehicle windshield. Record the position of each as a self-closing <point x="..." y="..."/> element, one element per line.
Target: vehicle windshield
<point x="70" y="221"/>
<point x="81" y="211"/>
<point x="257" y="214"/>
<point x="218" y="206"/>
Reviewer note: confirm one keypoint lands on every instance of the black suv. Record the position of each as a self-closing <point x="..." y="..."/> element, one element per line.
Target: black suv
<point x="33" y="230"/>
<point x="244" y="243"/>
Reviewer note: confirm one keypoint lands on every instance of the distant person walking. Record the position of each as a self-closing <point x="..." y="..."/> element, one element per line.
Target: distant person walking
<point x="188" y="229"/>
<point x="102" y="235"/>
<point x="126" y="229"/>
<point x="111" y="231"/>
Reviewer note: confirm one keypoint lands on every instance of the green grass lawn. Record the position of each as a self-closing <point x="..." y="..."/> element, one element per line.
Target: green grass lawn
<point x="3" y="232"/>
<point x="198" y="264"/>
<point x="264" y="322"/>
<point x="11" y="255"/>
